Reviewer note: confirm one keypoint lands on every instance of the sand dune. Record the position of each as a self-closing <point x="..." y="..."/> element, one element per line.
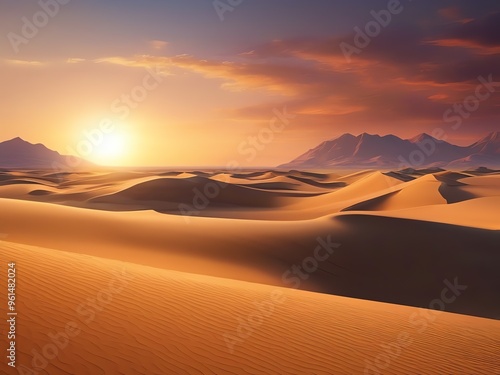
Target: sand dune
<point x="427" y="239"/>
<point x="167" y="194"/>
<point x="109" y="317"/>
<point x="256" y="233"/>
<point x="481" y="213"/>
<point x="414" y="255"/>
<point x="423" y="191"/>
<point x="265" y="195"/>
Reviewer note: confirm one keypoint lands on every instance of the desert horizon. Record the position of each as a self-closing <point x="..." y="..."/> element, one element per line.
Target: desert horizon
<point x="370" y="151"/>
<point x="250" y="187"/>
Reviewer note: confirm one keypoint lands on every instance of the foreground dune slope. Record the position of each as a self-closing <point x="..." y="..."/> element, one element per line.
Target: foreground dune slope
<point x="361" y="254"/>
<point x="130" y="319"/>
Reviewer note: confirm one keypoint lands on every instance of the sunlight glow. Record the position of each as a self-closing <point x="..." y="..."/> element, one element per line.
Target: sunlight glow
<point x="112" y="150"/>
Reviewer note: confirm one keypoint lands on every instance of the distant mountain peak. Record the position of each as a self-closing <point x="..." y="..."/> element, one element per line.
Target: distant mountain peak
<point x="19" y="153"/>
<point x="422" y="137"/>
<point x="389" y="151"/>
<point x="368" y="135"/>
<point x="17" y="139"/>
<point x="345" y="136"/>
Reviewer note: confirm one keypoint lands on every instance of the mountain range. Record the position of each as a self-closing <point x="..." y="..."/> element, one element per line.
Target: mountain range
<point x="389" y="151"/>
<point x="18" y="153"/>
<point x="347" y="151"/>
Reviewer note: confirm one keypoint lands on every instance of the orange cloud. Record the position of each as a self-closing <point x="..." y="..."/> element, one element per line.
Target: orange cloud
<point x="240" y="76"/>
<point x="467" y="44"/>
<point x="331" y="106"/>
<point x="438" y="97"/>
<point x="74" y="60"/>
<point x="381" y="85"/>
<point x="26" y="63"/>
<point x="158" y="44"/>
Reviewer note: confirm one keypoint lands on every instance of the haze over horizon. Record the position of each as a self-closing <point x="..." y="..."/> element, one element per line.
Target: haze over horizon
<point x="355" y="152"/>
<point x="182" y="87"/>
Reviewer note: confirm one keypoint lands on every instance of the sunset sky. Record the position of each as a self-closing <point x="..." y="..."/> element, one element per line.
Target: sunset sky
<point x="200" y="83"/>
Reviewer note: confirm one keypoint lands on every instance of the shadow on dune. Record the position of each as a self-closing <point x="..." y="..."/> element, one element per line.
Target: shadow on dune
<point x="273" y="186"/>
<point x="451" y="185"/>
<point x="453" y="194"/>
<point x="373" y="204"/>
<point x="324" y="185"/>
<point x="400" y="176"/>
<point x="406" y="262"/>
<point x="19" y="182"/>
<point x="165" y="195"/>
<point x="40" y="192"/>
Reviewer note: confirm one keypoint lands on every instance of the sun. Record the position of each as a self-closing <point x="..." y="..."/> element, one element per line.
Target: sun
<point x="112" y="150"/>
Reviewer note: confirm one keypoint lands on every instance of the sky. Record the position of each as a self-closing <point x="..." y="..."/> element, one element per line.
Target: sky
<point x="202" y="82"/>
